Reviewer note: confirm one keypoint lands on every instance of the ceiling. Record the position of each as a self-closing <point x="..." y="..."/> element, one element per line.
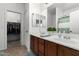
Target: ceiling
<point x="45" y="5"/>
<point x="62" y="6"/>
<point x="66" y="6"/>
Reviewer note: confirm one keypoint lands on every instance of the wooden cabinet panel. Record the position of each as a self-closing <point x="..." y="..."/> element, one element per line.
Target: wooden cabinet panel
<point x="65" y="51"/>
<point x="60" y="50"/>
<point x="75" y="52"/>
<point x="31" y="42"/>
<point x="50" y="48"/>
<point x="35" y="46"/>
<point x="41" y="47"/>
<point x="70" y="52"/>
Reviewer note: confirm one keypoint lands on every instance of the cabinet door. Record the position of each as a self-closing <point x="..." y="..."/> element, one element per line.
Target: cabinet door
<point x="60" y="50"/>
<point x="41" y="47"/>
<point x="75" y="52"/>
<point x="35" y="46"/>
<point x="50" y="48"/>
<point x="65" y="51"/>
<point x="70" y="52"/>
<point x="32" y="42"/>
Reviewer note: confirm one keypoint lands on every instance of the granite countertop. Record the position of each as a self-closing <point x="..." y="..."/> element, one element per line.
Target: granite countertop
<point x="71" y="43"/>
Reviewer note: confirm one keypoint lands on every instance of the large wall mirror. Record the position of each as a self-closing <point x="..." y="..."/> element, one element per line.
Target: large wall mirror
<point x="74" y="22"/>
<point x="69" y="23"/>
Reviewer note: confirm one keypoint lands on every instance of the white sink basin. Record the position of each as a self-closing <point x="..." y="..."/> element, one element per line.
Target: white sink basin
<point x="45" y="35"/>
<point x="73" y="40"/>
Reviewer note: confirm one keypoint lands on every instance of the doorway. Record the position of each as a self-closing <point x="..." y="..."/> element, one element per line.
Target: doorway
<point x="13" y="28"/>
<point x="13" y="34"/>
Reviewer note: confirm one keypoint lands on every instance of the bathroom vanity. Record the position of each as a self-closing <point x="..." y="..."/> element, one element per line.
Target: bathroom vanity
<point x="50" y="46"/>
<point x="65" y="23"/>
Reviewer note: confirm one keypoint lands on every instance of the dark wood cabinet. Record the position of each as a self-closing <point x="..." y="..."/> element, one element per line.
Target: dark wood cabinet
<point x="34" y="44"/>
<point x="50" y="48"/>
<point x="65" y="51"/>
<point x="60" y="50"/>
<point x="43" y="47"/>
<point x="75" y="52"/>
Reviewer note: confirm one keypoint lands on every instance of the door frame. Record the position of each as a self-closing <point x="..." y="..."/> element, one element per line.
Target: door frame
<point x="5" y="26"/>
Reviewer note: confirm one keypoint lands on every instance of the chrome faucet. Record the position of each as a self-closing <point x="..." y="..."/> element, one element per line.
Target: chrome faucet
<point x="66" y="35"/>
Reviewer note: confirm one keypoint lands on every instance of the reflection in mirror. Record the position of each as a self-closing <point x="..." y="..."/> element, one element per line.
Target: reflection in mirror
<point x="51" y="16"/>
<point x="74" y="22"/>
<point x="63" y="24"/>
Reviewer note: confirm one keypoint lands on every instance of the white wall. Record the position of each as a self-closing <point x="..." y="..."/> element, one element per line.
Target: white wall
<point x="26" y="27"/>
<point x="35" y="8"/>
<point x="51" y="20"/>
<point x="3" y="8"/>
<point x="13" y="17"/>
<point x="68" y="11"/>
<point x="44" y="13"/>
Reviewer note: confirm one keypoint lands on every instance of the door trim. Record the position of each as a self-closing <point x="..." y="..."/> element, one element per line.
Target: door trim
<point x="5" y="26"/>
